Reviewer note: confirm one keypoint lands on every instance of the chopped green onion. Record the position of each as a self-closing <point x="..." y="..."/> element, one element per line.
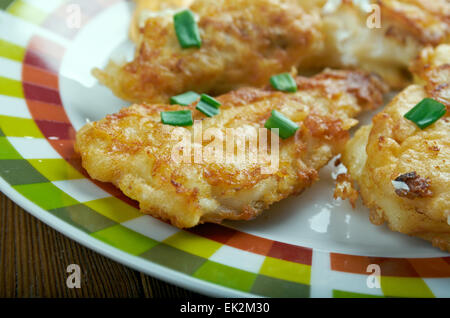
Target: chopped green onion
<point x="184" y="99"/>
<point x="426" y="113"/>
<point x="284" y="82"/>
<point x="209" y="100"/>
<point x="286" y="127"/>
<point x="186" y="29"/>
<point x="208" y="105"/>
<point x="207" y="109"/>
<point x="177" y="118"/>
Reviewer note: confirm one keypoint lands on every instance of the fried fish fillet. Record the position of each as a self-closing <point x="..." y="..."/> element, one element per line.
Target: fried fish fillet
<point x="384" y="40"/>
<point x="133" y="149"/>
<point x="148" y="8"/>
<point x="393" y="148"/>
<point x="145" y="8"/>
<point x="244" y="42"/>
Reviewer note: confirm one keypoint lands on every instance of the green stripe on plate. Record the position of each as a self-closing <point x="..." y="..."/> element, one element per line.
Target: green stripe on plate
<point x="19" y="171"/>
<point x="114" y="209"/>
<point x="10" y="87"/>
<point x="174" y="258"/>
<point x="344" y="294"/>
<point x="55" y="169"/>
<point x="290" y="271"/>
<point x="226" y="276"/>
<point x="83" y="218"/>
<point x="45" y="195"/>
<point x="7" y="151"/>
<point x="125" y="239"/>
<point x="11" y="51"/>
<point x="193" y="244"/>
<point x="27" y="12"/>
<point x="272" y="287"/>
<point x="405" y="287"/>
<point x="5" y="3"/>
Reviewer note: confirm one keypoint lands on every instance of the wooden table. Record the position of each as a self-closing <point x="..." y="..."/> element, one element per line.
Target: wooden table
<point x="34" y="259"/>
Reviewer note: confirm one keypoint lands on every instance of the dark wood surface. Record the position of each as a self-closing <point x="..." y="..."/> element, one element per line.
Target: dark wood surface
<point x="34" y="259"/>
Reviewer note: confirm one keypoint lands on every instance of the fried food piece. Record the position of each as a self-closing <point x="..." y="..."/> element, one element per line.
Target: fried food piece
<point x="147" y="8"/>
<point x="144" y="8"/>
<point x="244" y="43"/>
<point x="353" y="39"/>
<point x="133" y="149"/>
<point x="393" y="148"/>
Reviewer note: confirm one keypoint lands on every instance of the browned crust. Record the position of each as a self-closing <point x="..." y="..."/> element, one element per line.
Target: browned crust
<point x="422" y="29"/>
<point x="345" y="189"/>
<point x="418" y="187"/>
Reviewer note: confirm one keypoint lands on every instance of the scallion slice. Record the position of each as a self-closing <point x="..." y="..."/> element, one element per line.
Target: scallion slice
<point x="184" y="99"/>
<point x="207" y="109"/>
<point x="426" y="113"/>
<point x="186" y="29"/>
<point x="287" y="127"/>
<point x="211" y="101"/>
<point x="284" y="82"/>
<point x="177" y="118"/>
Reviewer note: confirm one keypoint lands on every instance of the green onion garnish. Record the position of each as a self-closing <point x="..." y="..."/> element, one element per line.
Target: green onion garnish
<point x="208" y="105"/>
<point x="177" y="118"/>
<point x="186" y="29"/>
<point x="208" y="99"/>
<point x="284" y="82"/>
<point x="426" y="113"/>
<point x="207" y="109"/>
<point x="286" y="127"/>
<point x="184" y="99"/>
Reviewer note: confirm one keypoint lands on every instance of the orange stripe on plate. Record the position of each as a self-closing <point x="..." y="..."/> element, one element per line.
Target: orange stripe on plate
<point x="40" y="77"/>
<point x="50" y="112"/>
<point x="64" y="148"/>
<point x="349" y="263"/>
<point x="251" y="243"/>
<point x="431" y="267"/>
<point x="399" y="267"/>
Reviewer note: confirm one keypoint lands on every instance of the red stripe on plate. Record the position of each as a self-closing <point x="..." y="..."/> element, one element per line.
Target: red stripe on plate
<point x="56" y="130"/>
<point x="291" y="253"/>
<point x="44" y="62"/>
<point x="214" y="232"/>
<point x="41" y="94"/>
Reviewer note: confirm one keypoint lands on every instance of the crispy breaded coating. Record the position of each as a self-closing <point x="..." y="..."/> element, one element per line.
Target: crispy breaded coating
<point x="144" y="7"/>
<point x="386" y="43"/>
<point x="133" y="149"/>
<point x="395" y="149"/>
<point x="244" y="42"/>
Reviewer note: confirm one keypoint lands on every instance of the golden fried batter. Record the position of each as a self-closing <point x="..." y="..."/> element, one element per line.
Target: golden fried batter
<point x="247" y="41"/>
<point x="244" y="42"/>
<point x="386" y="46"/>
<point x="393" y="148"/>
<point x="132" y="149"/>
<point x="143" y="7"/>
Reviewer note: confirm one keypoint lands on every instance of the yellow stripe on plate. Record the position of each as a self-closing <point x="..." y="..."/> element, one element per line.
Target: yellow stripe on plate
<point x="11" y="51"/>
<point x="27" y="12"/>
<point x="10" y="87"/>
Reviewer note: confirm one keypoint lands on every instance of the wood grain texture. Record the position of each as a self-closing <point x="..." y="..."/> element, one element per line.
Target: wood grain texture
<point x="34" y="259"/>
